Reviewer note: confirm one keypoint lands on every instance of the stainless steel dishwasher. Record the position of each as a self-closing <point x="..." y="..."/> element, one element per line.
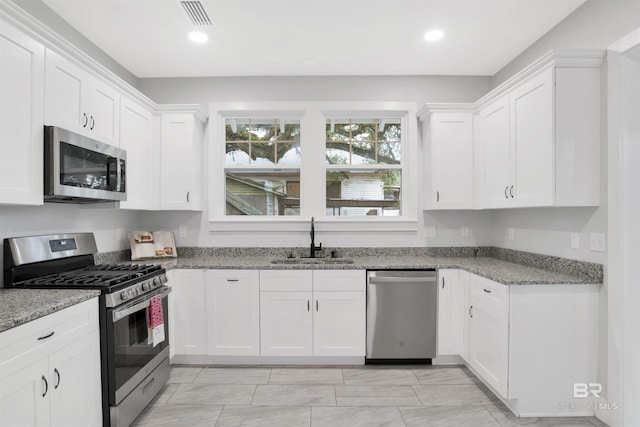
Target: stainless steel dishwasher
<point x="402" y="307"/>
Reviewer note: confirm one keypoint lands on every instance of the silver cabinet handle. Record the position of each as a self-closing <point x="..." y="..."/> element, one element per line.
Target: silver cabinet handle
<point x="437" y="196"/>
<point x="187" y="197"/>
<point x="55" y="371"/>
<point x="511" y="191"/>
<point x="506" y="196"/>
<point x="308" y="305"/>
<point x="486" y="290"/>
<point x="85" y="120"/>
<point x="316" y="305"/>
<point x="471" y="311"/>
<point x="443" y="283"/>
<point x="233" y="280"/>
<point x="93" y="123"/>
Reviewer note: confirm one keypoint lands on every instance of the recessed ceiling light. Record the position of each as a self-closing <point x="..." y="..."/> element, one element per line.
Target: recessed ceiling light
<point x="198" y="37"/>
<point x="433" y="35"/>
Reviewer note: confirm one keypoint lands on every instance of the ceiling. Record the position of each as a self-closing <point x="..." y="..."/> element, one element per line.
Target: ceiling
<point x="314" y="37"/>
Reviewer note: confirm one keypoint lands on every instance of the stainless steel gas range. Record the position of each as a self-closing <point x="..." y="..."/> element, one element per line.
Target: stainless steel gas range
<point x="135" y="366"/>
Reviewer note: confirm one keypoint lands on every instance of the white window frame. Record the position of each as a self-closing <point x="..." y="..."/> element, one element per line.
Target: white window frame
<point x="313" y="116"/>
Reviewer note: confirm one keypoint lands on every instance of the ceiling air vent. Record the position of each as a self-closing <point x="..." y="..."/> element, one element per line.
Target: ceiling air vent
<point x="196" y="13"/>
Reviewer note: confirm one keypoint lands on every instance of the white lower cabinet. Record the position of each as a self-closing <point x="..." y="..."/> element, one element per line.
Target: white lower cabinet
<point x="53" y="381"/>
<point x="339" y="323"/>
<point x="286" y="324"/>
<point x="531" y="343"/>
<point x="489" y="333"/>
<point x="452" y="295"/>
<point x="233" y="310"/>
<point x="187" y="312"/>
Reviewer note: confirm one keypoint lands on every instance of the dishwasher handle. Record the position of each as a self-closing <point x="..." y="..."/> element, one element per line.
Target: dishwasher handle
<point x="397" y="280"/>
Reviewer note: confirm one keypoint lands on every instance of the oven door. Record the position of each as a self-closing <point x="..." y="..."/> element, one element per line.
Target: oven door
<point x="130" y="355"/>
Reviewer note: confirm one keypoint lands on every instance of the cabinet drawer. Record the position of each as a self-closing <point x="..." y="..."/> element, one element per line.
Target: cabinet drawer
<point x="490" y="292"/>
<point x="339" y="280"/>
<point x="285" y="280"/>
<point x="49" y="332"/>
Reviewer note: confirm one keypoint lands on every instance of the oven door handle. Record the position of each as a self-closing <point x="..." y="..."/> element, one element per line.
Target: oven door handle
<point x="125" y="311"/>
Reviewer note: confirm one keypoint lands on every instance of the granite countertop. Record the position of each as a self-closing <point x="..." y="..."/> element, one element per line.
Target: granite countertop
<point x="18" y="306"/>
<point x="508" y="273"/>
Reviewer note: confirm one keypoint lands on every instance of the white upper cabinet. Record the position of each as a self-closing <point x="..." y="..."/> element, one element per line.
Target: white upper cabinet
<point x="449" y="161"/>
<point x="21" y="117"/>
<point x="535" y="140"/>
<point x="494" y="155"/>
<point x="79" y="102"/>
<point x="136" y="139"/>
<point x="180" y="161"/>
<point x="539" y="145"/>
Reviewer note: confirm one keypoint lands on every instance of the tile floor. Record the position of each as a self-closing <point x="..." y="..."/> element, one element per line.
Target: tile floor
<point x="332" y="397"/>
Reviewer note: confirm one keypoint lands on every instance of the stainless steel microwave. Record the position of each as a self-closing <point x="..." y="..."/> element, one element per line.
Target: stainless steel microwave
<point x="78" y="169"/>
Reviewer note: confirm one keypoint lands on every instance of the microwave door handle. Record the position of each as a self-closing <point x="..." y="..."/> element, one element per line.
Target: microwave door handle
<point x="118" y="174"/>
<point x="125" y="311"/>
<point x="109" y="167"/>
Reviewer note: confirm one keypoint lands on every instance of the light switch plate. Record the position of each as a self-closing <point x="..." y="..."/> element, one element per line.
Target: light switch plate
<point x="430" y="231"/>
<point x="464" y="231"/>
<point x="575" y="240"/>
<point x="510" y="233"/>
<point x="598" y="242"/>
<point x="182" y="232"/>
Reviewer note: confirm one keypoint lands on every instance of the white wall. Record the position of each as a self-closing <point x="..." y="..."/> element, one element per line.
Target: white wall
<point x="102" y="219"/>
<point x="594" y="25"/>
<point x="44" y="14"/>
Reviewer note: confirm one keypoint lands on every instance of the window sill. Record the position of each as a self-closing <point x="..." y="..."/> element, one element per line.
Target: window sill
<point x="322" y="224"/>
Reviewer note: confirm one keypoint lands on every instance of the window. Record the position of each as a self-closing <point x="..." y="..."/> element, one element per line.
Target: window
<point x="363" y="167"/>
<point x="274" y="165"/>
<point x="262" y="166"/>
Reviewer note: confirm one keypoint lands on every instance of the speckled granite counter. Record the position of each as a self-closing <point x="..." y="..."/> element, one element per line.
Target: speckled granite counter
<point x="18" y="306"/>
<point x="505" y="272"/>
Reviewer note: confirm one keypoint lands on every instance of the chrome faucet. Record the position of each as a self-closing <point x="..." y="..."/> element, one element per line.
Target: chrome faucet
<point x="314" y="248"/>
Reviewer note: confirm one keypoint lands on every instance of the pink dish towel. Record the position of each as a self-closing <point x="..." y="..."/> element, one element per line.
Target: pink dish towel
<point x="154" y="312"/>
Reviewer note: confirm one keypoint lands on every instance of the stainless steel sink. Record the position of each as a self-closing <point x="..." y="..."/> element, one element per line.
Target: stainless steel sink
<point x="306" y="261"/>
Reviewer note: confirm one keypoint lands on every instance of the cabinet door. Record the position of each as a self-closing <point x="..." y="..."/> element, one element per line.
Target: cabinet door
<point x="175" y="147"/>
<point x="533" y="170"/>
<point x="64" y="95"/>
<point x="452" y="160"/>
<point x="286" y="324"/>
<point x="464" y="277"/>
<point x="188" y="313"/>
<point x="74" y="380"/>
<point x="339" y="323"/>
<point x="489" y="343"/>
<point x="135" y="139"/>
<point x="451" y="312"/>
<point x="102" y="105"/>
<point x="494" y="156"/>
<point x="24" y="395"/>
<point x="21" y="117"/>
<point x="233" y="303"/>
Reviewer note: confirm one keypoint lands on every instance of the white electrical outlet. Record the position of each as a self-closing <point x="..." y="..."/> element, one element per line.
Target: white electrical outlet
<point x="598" y="243"/>
<point x="430" y="231"/>
<point x="510" y="233"/>
<point x="464" y="231"/>
<point x="182" y="232"/>
<point x="575" y="240"/>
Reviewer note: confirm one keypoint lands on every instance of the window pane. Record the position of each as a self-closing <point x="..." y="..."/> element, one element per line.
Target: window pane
<point x="263" y="153"/>
<point x="257" y="141"/>
<point x="363" y="193"/>
<point x="288" y="153"/>
<point x="363" y="141"/>
<point x="264" y="192"/>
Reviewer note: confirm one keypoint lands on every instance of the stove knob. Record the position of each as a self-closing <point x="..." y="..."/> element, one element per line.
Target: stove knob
<point x="123" y="296"/>
<point x="157" y="281"/>
<point x="146" y="286"/>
